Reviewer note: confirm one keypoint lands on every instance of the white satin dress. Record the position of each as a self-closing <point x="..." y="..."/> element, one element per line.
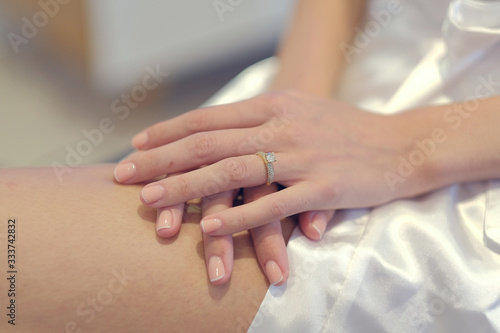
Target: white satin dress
<point x="427" y="264"/>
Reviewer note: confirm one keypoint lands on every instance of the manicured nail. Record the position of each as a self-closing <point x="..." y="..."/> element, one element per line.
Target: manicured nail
<point x="319" y="223"/>
<point x="211" y="225"/>
<point x="151" y="194"/>
<point x="273" y="272"/>
<point x="140" y="140"/>
<point x="164" y="220"/>
<point x="124" y="172"/>
<point x="216" y="270"/>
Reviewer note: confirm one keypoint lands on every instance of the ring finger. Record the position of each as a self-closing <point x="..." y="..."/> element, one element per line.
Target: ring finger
<point x="228" y="174"/>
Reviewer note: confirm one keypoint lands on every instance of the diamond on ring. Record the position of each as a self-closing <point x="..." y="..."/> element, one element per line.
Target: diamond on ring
<point x="268" y="159"/>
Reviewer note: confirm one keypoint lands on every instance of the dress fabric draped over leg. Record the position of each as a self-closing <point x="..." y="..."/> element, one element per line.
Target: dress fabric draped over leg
<point x="426" y="264"/>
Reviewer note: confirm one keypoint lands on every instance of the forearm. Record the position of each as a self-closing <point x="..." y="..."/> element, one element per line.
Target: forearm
<point x="310" y="56"/>
<point x="451" y="144"/>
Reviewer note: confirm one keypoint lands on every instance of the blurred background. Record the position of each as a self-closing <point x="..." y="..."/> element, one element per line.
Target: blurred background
<point x="78" y="78"/>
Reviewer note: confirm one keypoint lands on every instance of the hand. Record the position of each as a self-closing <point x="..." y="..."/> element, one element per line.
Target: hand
<point x="329" y="156"/>
<point x="268" y="239"/>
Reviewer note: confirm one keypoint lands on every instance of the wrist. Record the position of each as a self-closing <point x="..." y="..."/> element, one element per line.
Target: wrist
<point x="426" y="146"/>
<point x="444" y="145"/>
<point x="318" y="84"/>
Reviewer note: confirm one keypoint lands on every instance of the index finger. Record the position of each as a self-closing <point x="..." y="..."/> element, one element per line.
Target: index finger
<point x="235" y="115"/>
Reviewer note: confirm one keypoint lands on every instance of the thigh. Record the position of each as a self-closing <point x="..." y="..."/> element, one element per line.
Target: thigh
<point x="87" y="260"/>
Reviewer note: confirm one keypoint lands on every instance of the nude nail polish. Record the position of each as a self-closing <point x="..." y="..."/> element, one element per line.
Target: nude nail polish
<point x="319" y="224"/>
<point x="216" y="269"/>
<point x="151" y="194"/>
<point x="273" y="272"/>
<point x="124" y="171"/>
<point x="164" y="220"/>
<point x="211" y="225"/>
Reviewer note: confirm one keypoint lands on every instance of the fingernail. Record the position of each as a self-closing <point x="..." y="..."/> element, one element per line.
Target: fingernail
<point x="140" y="140"/>
<point x="124" y="172"/>
<point x="319" y="223"/>
<point x="216" y="270"/>
<point x="211" y="225"/>
<point x="164" y="220"/>
<point x="153" y="193"/>
<point x="273" y="272"/>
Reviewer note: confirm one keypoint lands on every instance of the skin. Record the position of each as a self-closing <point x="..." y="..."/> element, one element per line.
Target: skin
<point x="353" y="150"/>
<point x="315" y="32"/>
<point x="317" y="29"/>
<point x="75" y="238"/>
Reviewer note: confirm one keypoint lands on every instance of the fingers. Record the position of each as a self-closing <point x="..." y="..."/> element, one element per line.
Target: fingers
<point x="274" y="206"/>
<point x="271" y="252"/>
<point x="169" y="219"/>
<point x="268" y="242"/>
<point x="218" y="249"/>
<point x="313" y="223"/>
<point x="232" y="173"/>
<point x="204" y="136"/>
<point x="235" y="115"/>
<point x="218" y="258"/>
<point x="185" y="154"/>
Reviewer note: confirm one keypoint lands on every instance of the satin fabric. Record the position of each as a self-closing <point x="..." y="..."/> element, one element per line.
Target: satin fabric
<point x="426" y="264"/>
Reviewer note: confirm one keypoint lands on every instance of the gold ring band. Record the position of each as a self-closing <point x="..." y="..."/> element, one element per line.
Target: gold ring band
<point x="268" y="159"/>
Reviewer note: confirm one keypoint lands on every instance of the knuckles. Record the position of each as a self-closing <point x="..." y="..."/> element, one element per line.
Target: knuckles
<point x="183" y="187"/>
<point x="202" y="145"/>
<point x="330" y="190"/>
<point x="237" y="170"/>
<point x="279" y="208"/>
<point x="239" y="220"/>
<point x="149" y="162"/>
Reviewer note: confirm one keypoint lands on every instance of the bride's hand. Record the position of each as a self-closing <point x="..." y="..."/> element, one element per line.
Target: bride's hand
<point x="329" y="155"/>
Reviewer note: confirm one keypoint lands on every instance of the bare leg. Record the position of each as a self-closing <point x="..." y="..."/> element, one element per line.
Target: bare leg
<point x="87" y="260"/>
